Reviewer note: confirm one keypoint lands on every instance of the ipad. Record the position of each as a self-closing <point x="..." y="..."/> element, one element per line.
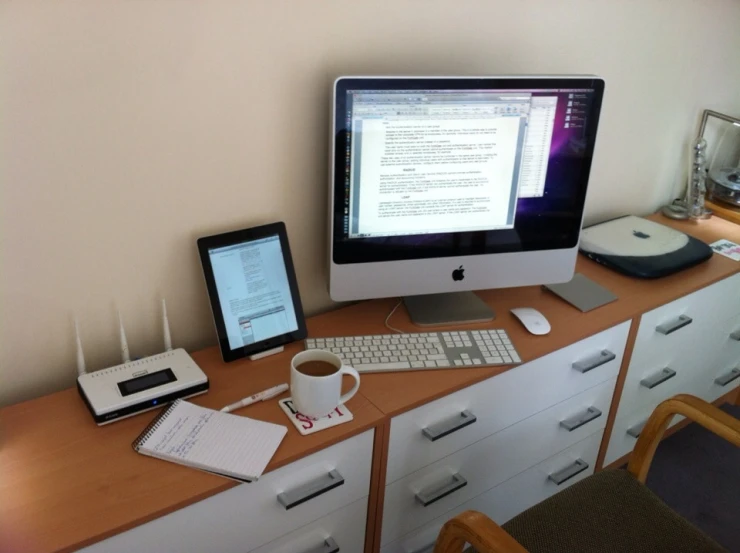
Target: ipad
<point x="252" y="288"/>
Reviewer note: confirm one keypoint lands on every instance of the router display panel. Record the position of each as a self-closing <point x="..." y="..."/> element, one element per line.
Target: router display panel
<point x="137" y="386"/>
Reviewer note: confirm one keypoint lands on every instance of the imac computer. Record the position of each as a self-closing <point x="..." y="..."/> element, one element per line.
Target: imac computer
<point x="444" y="185"/>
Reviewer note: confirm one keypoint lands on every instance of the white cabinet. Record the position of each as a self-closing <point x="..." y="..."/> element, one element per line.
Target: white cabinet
<point x="250" y="516"/>
<point x="522" y="417"/>
<point x="513" y="496"/>
<point x="687" y="346"/>
<point x="502" y="401"/>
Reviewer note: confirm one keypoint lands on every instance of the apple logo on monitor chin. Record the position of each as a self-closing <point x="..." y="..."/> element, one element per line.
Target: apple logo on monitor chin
<point x="458" y="274"/>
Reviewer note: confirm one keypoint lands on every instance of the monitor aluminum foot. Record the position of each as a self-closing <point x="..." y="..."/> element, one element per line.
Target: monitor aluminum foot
<point x="452" y="308"/>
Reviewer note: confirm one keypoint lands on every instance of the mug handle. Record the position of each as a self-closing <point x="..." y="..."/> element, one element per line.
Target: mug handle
<point x="354" y="374"/>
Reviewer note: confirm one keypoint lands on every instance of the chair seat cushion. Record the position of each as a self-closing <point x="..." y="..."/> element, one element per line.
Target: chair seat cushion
<point x="609" y="512"/>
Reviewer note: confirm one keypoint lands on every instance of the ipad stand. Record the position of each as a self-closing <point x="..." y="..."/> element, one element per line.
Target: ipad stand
<point x="266" y="353"/>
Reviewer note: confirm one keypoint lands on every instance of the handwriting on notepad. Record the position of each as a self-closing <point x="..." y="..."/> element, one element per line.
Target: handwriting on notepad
<point x="178" y="441"/>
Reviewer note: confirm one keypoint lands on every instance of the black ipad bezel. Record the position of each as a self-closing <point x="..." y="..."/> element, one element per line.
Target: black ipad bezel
<point x="239" y="237"/>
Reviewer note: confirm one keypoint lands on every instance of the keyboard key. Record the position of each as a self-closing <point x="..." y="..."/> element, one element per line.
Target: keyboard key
<point x="515" y="357"/>
<point x="458" y="362"/>
<point x="476" y="361"/>
<point x="443" y="363"/>
<point x="437" y="357"/>
<point x="393" y="359"/>
<point x="492" y="360"/>
<point x="417" y="364"/>
<point x="507" y="359"/>
<point x="464" y="356"/>
<point x="385" y="360"/>
<point x="467" y="362"/>
<point x="362" y="367"/>
<point x="412" y="358"/>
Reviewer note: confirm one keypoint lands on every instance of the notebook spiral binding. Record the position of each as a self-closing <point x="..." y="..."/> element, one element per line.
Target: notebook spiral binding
<point x="152" y="426"/>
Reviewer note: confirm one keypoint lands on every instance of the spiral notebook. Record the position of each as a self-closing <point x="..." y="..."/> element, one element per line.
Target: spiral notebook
<point x="220" y="443"/>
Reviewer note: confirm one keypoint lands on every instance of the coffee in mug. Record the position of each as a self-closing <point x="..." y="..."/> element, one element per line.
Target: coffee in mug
<point x="316" y="382"/>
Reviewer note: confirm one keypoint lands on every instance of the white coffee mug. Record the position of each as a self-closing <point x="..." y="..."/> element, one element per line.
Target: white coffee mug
<point x="317" y="396"/>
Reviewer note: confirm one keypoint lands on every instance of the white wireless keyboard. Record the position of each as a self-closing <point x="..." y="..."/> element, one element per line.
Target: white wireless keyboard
<point x="421" y="351"/>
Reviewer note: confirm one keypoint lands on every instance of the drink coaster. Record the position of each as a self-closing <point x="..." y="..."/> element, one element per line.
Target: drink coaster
<point x="309" y="425"/>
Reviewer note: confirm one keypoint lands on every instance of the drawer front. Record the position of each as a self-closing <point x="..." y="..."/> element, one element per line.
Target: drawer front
<point x="722" y="376"/>
<point x="427" y="493"/>
<point x="500" y="402"/>
<point x="510" y="498"/>
<point x="646" y="386"/>
<point x="342" y="530"/>
<point x="248" y="516"/>
<point x="627" y="427"/>
<point x="682" y="326"/>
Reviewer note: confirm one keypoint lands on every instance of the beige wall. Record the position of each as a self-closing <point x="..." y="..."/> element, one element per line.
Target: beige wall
<point x="129" y="128"/>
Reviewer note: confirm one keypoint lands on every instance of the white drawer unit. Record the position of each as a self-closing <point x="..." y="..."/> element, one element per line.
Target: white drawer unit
<point x="684" y="347"/>
<point x="341" y="531"/>
<point x="439" y="428"/>
<point x="513" y="496"/>
<point x="249" y="516"/>
<point x="427" y="493"/>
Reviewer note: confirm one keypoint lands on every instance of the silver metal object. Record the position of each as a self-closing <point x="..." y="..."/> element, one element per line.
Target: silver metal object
<point x="329" y="546"/>
<point x="441" y="429"/>
<point x="591" y="363"/>
<point x="697" y="187"/>
<point x="636" y="430"/>
<point x="301" y="494"/>
<point x="722" y="133"/>
<point x="676" y="210"/>
<point x="673" y="326"/>
<point x="576" y="421"/>
<point x="654" y="380"/>
<point x="434" y="493"/>
<point x="448" y="309"/>
<point x="725" y="379"/>
<point x="735" y="336"/>
<point x="568" y="472"/>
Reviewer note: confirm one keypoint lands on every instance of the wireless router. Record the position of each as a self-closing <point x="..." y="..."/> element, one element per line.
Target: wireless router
<point x="136" y="386"/>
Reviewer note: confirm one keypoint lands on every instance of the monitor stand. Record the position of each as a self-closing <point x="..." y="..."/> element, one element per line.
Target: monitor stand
<point x="451" y="308"/>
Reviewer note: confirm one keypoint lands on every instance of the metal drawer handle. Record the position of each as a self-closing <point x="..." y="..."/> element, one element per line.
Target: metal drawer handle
<point x="673" y="326"/>
<point x="651" y="382"/>
<point x="636" y="430"/>
<point x="433" y="493"/>
<point x="568" y="472"/>
<point x="290" y="499"/>
<point x="735" y="336"/>
<point x="597" y="360"/>
<point x="725" y="379"/>
<point x="329" y="546"/>
<point x="576" y="421"/>
<point x="441" y="429"/>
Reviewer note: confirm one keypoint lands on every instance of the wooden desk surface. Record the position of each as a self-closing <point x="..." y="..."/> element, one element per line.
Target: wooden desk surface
<point x="394" y="393"/>
<point x="66" y="483"/>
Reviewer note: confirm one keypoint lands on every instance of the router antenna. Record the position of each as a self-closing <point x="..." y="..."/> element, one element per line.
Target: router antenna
<point x="166" y="328"/>
<point x="81" y="369"/>
<point x="125" y="357"/>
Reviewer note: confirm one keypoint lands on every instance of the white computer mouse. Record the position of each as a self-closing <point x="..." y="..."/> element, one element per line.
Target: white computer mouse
<point x="534" y="321"/>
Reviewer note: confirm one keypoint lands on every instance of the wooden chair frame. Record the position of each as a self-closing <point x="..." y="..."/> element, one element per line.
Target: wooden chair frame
<point x="488" y="537"/>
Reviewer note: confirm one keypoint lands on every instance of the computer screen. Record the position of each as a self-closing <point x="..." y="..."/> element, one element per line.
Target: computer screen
<point x="253" y="291"/>
<point x="426" y="168"/>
